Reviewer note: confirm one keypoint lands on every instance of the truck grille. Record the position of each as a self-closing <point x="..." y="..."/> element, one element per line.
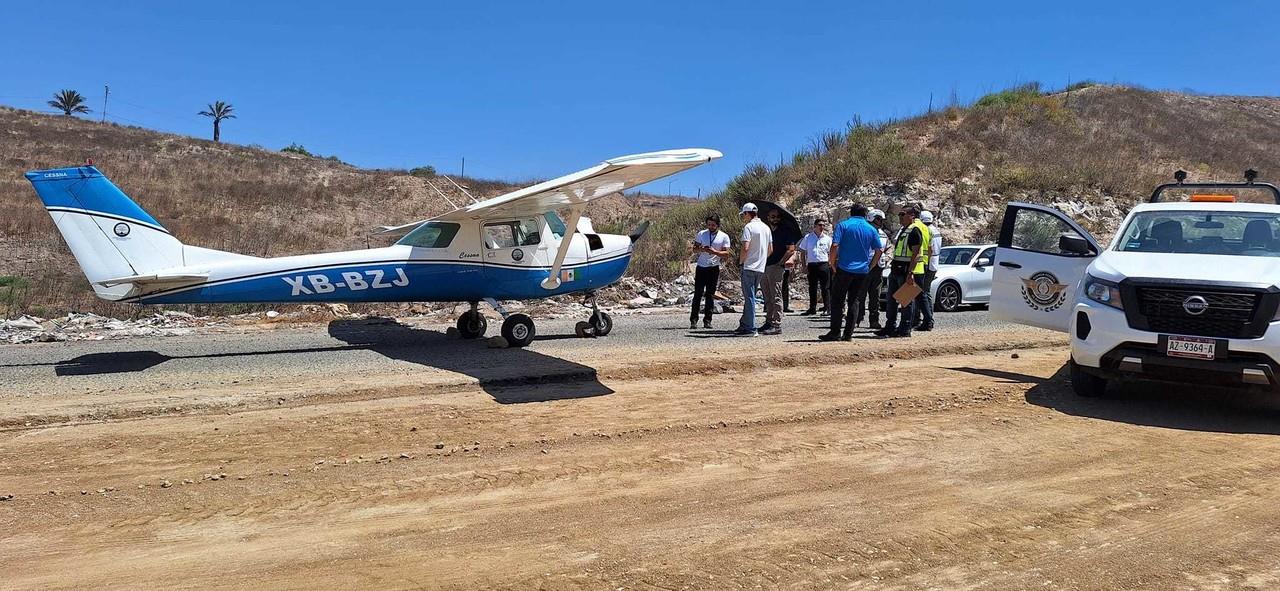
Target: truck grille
<point x="1229" y="314"/>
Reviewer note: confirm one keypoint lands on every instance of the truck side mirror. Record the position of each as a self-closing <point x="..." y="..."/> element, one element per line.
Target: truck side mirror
<point x="1074" y="244"/>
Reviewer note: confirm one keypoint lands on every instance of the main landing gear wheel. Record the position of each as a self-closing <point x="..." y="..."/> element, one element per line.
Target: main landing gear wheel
<point x="518" y="330"/>
<point x="472" y="325"/>
<point x="600" y="324"/>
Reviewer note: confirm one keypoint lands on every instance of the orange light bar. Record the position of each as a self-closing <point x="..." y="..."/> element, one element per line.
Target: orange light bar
<point x="1214" y="198"/>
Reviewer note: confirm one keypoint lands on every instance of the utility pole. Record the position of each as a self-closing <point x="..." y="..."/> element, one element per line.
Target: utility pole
<point x="463" y="174"/>
<point x="106" y="91"/>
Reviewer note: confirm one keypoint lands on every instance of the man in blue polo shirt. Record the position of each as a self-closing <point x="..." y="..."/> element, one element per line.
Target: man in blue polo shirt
<point x="853" y="246"/>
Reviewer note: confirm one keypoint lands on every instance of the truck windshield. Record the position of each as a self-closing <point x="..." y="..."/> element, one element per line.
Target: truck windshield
<point x="1203" y="232"/>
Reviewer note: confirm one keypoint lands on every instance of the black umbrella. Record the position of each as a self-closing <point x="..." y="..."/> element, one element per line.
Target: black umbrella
<point x="788" y="219"/>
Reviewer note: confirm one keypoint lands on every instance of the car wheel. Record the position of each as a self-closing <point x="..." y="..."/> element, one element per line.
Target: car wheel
<point x="948" y="297"/>
<point x="471" y="325"/>
<point x="1086" y="384"/>
<point x="518" y="330"/>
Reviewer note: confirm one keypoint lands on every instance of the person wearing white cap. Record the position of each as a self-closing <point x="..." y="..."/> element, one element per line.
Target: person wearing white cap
<point x="757" y="245"/>
<point x="870" y="307"/>
<point x="924" y="301"/>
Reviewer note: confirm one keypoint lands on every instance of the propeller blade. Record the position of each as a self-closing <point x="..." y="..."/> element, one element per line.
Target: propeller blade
<point x="639" y="231"/>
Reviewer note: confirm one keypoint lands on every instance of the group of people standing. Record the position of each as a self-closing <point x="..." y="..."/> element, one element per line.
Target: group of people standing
<point x="845" y="269"/>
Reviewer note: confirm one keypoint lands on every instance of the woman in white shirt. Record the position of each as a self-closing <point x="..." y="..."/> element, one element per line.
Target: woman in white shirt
<point x="816" y="245"/>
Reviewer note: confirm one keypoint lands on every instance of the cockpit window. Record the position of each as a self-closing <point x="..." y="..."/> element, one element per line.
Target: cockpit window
<point x="1203" y="232"/>
<point x="512" y="234"/>
<point x="431" y="235"/>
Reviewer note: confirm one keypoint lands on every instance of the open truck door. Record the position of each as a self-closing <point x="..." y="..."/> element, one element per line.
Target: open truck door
<point x="1040" y="259"/>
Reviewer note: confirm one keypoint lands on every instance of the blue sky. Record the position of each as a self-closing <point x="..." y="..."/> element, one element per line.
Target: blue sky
<point x="536" y="89"/>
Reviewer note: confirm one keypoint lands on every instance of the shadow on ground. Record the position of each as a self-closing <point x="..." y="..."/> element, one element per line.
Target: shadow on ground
<point x="508" y="375"/>
<point x="1191" y="408"/>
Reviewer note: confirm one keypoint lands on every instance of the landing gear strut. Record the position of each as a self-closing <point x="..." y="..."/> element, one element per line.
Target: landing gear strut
<point x="599" y="324"/>
<point x="472" y="324"/>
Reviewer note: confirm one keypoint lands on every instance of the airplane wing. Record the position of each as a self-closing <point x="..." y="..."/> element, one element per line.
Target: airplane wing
<point x="611" y="176"/>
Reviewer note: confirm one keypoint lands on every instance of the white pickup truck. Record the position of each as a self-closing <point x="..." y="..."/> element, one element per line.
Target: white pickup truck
<point x="1186" y="292"/>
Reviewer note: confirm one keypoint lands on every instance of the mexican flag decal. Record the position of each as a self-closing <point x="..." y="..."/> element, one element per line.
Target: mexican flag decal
<point x="568" y="275"/>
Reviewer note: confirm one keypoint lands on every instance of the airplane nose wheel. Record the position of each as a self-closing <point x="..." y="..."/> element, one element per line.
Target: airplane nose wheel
<point x="472" y="325"/>
<point x="518" y="330"/>
<point x="600" y="324"/>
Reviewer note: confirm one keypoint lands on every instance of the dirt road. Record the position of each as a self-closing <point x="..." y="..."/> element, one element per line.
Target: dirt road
<point x="964" y="464"/>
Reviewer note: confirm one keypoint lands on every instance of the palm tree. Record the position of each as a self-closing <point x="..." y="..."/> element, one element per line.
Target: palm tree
<point x="218" y="111"/>
<point x="69" y="101"/>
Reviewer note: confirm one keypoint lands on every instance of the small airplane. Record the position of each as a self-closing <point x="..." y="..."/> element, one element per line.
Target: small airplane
<point x="511" y="247"/>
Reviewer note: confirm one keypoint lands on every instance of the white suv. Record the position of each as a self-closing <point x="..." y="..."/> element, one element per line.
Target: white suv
<point x="1186" y="292"/>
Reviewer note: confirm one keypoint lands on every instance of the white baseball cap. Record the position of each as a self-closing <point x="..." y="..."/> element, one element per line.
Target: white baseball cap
<point x="873" y="214"/>
<point x="749" y="208"/>
<point x="926" y="217"/>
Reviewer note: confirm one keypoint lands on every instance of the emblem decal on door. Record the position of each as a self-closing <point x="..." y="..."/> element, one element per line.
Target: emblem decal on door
<point x="1043" y="292"/>
<point x="517" y="255"/>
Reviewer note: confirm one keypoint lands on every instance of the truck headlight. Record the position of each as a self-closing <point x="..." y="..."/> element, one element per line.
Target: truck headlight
<point x="1102" y="291"/>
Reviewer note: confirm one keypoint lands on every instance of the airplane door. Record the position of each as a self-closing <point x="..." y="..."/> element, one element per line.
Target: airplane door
<point x="512" y="249"/>
<point x="1040" y="259"/>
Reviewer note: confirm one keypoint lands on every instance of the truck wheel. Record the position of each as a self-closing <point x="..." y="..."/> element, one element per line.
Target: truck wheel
<point x="948" y="297"/>
<point x="1085" y="384"/>
<point x="518" y="330"/>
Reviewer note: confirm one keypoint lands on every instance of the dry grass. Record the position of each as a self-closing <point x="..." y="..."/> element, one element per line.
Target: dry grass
<point x="221" y="196"/>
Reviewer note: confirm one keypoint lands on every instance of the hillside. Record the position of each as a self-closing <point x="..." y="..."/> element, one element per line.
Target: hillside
<point x="1093" y="151"/>
<point x="229" y="197"/>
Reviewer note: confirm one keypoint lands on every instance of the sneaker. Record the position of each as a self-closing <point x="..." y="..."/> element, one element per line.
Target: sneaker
<point x="846" y="337"/>
<point x="902" y="334"/>
<point x="883" y="333"/>
<point x="925" y="327"/>
<point x="772" y="330"/>
<point x="706" y="323"/>
<point x="829" y="336"/>
<point x="807" y="313"/>
<point x="742" y="332"/>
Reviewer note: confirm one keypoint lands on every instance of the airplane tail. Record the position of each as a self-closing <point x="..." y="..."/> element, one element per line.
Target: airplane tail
<point x="120" y="247"/>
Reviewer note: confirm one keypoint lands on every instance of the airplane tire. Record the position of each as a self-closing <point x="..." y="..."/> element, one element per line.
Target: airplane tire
<point x="518" y="330"/>
<point x="601" y="323"/>
<point x="472" y="325"/>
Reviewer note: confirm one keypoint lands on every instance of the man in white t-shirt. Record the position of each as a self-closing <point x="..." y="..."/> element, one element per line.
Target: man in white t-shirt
<point x="814" y="247"/>
<point x="712" y="246"/>
<point x="757" y="245"/>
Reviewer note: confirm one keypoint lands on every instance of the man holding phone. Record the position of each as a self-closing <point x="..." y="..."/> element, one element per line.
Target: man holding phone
<point x="711" y="246"/>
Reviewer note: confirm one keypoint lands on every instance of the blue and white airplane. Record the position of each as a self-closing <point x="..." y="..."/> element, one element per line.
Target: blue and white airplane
<point x="510" y="247"/>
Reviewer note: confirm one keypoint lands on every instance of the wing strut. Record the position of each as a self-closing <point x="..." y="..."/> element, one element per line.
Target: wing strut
<point x="571" y="227"/>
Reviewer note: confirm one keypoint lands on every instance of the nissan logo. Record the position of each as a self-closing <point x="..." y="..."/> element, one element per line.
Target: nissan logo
<point x="1195" y="305"/>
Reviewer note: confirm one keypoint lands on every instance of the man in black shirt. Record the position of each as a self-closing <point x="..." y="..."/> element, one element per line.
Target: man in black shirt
<point x="780" y="260"/>
<point x="907" y="247"/>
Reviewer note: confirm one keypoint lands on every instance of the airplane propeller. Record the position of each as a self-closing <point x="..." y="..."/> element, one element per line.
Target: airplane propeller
<point x="639" y="231"/>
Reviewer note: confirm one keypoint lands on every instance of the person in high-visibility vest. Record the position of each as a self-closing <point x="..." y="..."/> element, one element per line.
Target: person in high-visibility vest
<point x="910" y="260"/>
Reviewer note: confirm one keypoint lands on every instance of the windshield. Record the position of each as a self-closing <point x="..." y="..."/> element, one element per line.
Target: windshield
<point x="957" y="255"/>
<point x="1203" y="232"/>
<point x="555" y="224"/>
<point x="431" y="235"/>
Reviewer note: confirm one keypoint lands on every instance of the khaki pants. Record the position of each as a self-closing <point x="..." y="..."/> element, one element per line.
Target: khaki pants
<point x="773" y="275"/>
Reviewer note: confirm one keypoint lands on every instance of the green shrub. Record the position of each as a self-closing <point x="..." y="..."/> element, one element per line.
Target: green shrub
<point x="1010" y="97"/>
<point x="296" y="148"/>
<point x="425" y="172"/>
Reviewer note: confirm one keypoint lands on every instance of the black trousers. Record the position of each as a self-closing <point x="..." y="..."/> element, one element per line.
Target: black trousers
<point x="705" y="280"/>
<point x="846" y="290"/>
<point x="871" y="304"/>
<point x="819" y="280"/>
<point x="786" y="290"/>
